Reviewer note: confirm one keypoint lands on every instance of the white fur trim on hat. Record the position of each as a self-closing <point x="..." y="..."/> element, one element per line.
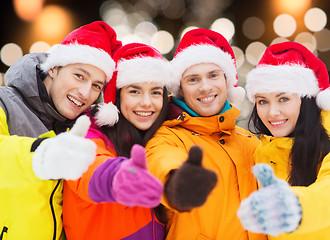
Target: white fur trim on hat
<point x="61" y="55"/>
<point x="144" y="69"/>
<point x="236" y="95"/>
<point x="196" y="54"/>
<point x="323" y="99"/>
<point x="107" y="114"/>
<point x="281" y="78"/>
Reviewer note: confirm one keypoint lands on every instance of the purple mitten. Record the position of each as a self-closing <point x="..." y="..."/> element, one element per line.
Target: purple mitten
<point x="133" y="185"/>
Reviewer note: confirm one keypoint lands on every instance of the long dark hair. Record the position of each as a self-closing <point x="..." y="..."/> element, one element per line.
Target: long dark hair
<point x="123" y="135"/>
<point x="310" y="145"/>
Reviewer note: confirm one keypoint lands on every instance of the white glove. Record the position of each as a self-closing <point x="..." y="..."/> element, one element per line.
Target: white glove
<point x="66" y="156"/>
<point x="273" y="209"/>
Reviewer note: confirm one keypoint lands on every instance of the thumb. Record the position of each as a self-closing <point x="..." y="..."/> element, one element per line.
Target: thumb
<point x="265" y="174"/>
<point x="138" y="156"/>
<point x="195" y="156"/>
<point x="81" y="126"/>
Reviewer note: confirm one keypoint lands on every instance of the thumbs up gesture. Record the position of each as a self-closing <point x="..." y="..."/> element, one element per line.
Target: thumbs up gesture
<point x="273" y="209"/>
<point x="133" y="185"/>
<point x="66" y="156"/>
<point x="190" y="185"/>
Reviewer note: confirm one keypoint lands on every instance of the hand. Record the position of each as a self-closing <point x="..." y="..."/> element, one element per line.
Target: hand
<point x="66" y="156"/>
<point x="273" y="209"/>
<point x="133" y="185"/>
<point x="190" y="185"/>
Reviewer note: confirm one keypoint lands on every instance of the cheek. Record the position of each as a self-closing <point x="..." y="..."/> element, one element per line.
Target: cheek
<point x="158" y="105"/>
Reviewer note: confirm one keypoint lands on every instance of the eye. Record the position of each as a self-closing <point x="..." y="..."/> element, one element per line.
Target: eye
<point x="262" y="102"/>
<point x="133" y="91"/>
<point x="97" y="86"/>
<point x="214" y="75"/>
<point x="284" y="99"/>
<point x="157" y="92"/>
<point x="79" y="76"/>
<point x="192" y="80"/>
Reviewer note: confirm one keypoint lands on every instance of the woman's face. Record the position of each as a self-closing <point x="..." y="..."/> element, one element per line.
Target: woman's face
<point x="279" y="112"/>
<point x="204" y="88"/>
<point x="141" y="103"/>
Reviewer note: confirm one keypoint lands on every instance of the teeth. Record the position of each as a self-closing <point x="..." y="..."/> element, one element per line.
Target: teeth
<point x="277" y="123"/>
<point x="143" y="114"/>
<point x="206" y="99"/>
<point x="76" y="102"/>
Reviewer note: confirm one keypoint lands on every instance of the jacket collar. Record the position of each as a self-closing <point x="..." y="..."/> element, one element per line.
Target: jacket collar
<point x="223" y="123"/>
<point x="280" y="142"/>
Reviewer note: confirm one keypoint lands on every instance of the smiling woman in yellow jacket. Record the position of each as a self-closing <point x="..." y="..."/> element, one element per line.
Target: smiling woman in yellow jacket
<point x="201" y="115"/>
<point x="290" y="87"/>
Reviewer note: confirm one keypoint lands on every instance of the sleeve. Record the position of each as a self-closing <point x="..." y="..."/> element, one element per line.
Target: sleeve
<point x="16" y="156"/>
<point x="95" y="185"/>
<point x="165" y="152"/>
<point x="314" y="201"/>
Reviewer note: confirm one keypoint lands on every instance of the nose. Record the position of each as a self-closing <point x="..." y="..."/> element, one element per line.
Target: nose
<point x="85" y="90"/>
<point x="145" y="100"/>
<point x="205" y="85"/>
<point x="274" y="110"/>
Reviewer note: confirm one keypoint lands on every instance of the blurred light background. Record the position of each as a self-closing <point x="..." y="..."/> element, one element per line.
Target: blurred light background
<point x="249" y="25"/>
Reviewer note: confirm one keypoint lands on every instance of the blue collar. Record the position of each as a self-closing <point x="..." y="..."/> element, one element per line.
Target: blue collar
<point x="184" y="107"/>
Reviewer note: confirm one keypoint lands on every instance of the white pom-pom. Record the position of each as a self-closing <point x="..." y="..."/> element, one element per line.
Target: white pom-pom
<point x="236" y="95"/>
<point x="107" y="114"/>
<point x="323" y="99"/>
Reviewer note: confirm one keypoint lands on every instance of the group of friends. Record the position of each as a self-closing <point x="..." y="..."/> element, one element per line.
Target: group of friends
<point x="100" y="140"/>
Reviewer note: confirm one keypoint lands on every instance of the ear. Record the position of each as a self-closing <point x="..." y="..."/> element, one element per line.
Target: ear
<point x="180" y="92"/>
<point x="52" y="72"/>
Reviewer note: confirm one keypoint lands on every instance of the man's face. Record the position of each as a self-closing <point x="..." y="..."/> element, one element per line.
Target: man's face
<point x="74" y="87"/>
<point x="204" y="88"/>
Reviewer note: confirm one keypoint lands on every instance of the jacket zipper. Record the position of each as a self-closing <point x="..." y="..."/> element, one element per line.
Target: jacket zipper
<point x="52" y="208"/>
<point x="4" y="230"/>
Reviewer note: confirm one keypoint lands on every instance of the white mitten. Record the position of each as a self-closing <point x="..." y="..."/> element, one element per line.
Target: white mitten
<point x="66" y="156"/>
<point x="273" y="209"/>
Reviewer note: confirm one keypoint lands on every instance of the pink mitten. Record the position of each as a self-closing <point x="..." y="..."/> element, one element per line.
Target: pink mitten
<point x="133" y="185"/>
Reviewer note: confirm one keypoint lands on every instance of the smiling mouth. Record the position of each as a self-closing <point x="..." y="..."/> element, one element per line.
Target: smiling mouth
<point x="143" y="114"/>
<point x="75" y="101"/>
<point x="275" y="123"/>
<point x="206" y="99"/>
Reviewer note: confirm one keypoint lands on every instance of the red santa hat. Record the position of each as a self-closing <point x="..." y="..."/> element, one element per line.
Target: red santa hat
<point x="136" y="63"/>
<point x="94" y="44"/>
<point x="206" y="46"/>
<point x="290" y="67"/>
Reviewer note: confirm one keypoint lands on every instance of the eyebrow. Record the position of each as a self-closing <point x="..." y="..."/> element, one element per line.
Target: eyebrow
<point x="257" y="96"/>
<point x="84" y="71"/>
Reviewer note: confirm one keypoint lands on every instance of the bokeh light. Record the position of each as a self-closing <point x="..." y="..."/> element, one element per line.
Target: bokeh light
<point x="315" y="19"/>
<point x="225" y="27"/>
<point x="239" y="55"/>
<point x="254" y="52"/>
<point x="307" y="39"/>
<point x="39" y="46"/>
<point x="163" y="41"/>
<point x="10" y="53"/>
<point x="53" y="24"/>
<point x="253" y="28"/>
<point x="294" y="7"/>
<point x="28" y="10"/>
<point x="284" y="25"/>
<point x="323" y="40"/>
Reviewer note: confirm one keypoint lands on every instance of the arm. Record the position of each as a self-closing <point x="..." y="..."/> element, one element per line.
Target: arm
<point x="314" y="201"/>
<point x="169" y="161"/>
<point x="126" y="181"/>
